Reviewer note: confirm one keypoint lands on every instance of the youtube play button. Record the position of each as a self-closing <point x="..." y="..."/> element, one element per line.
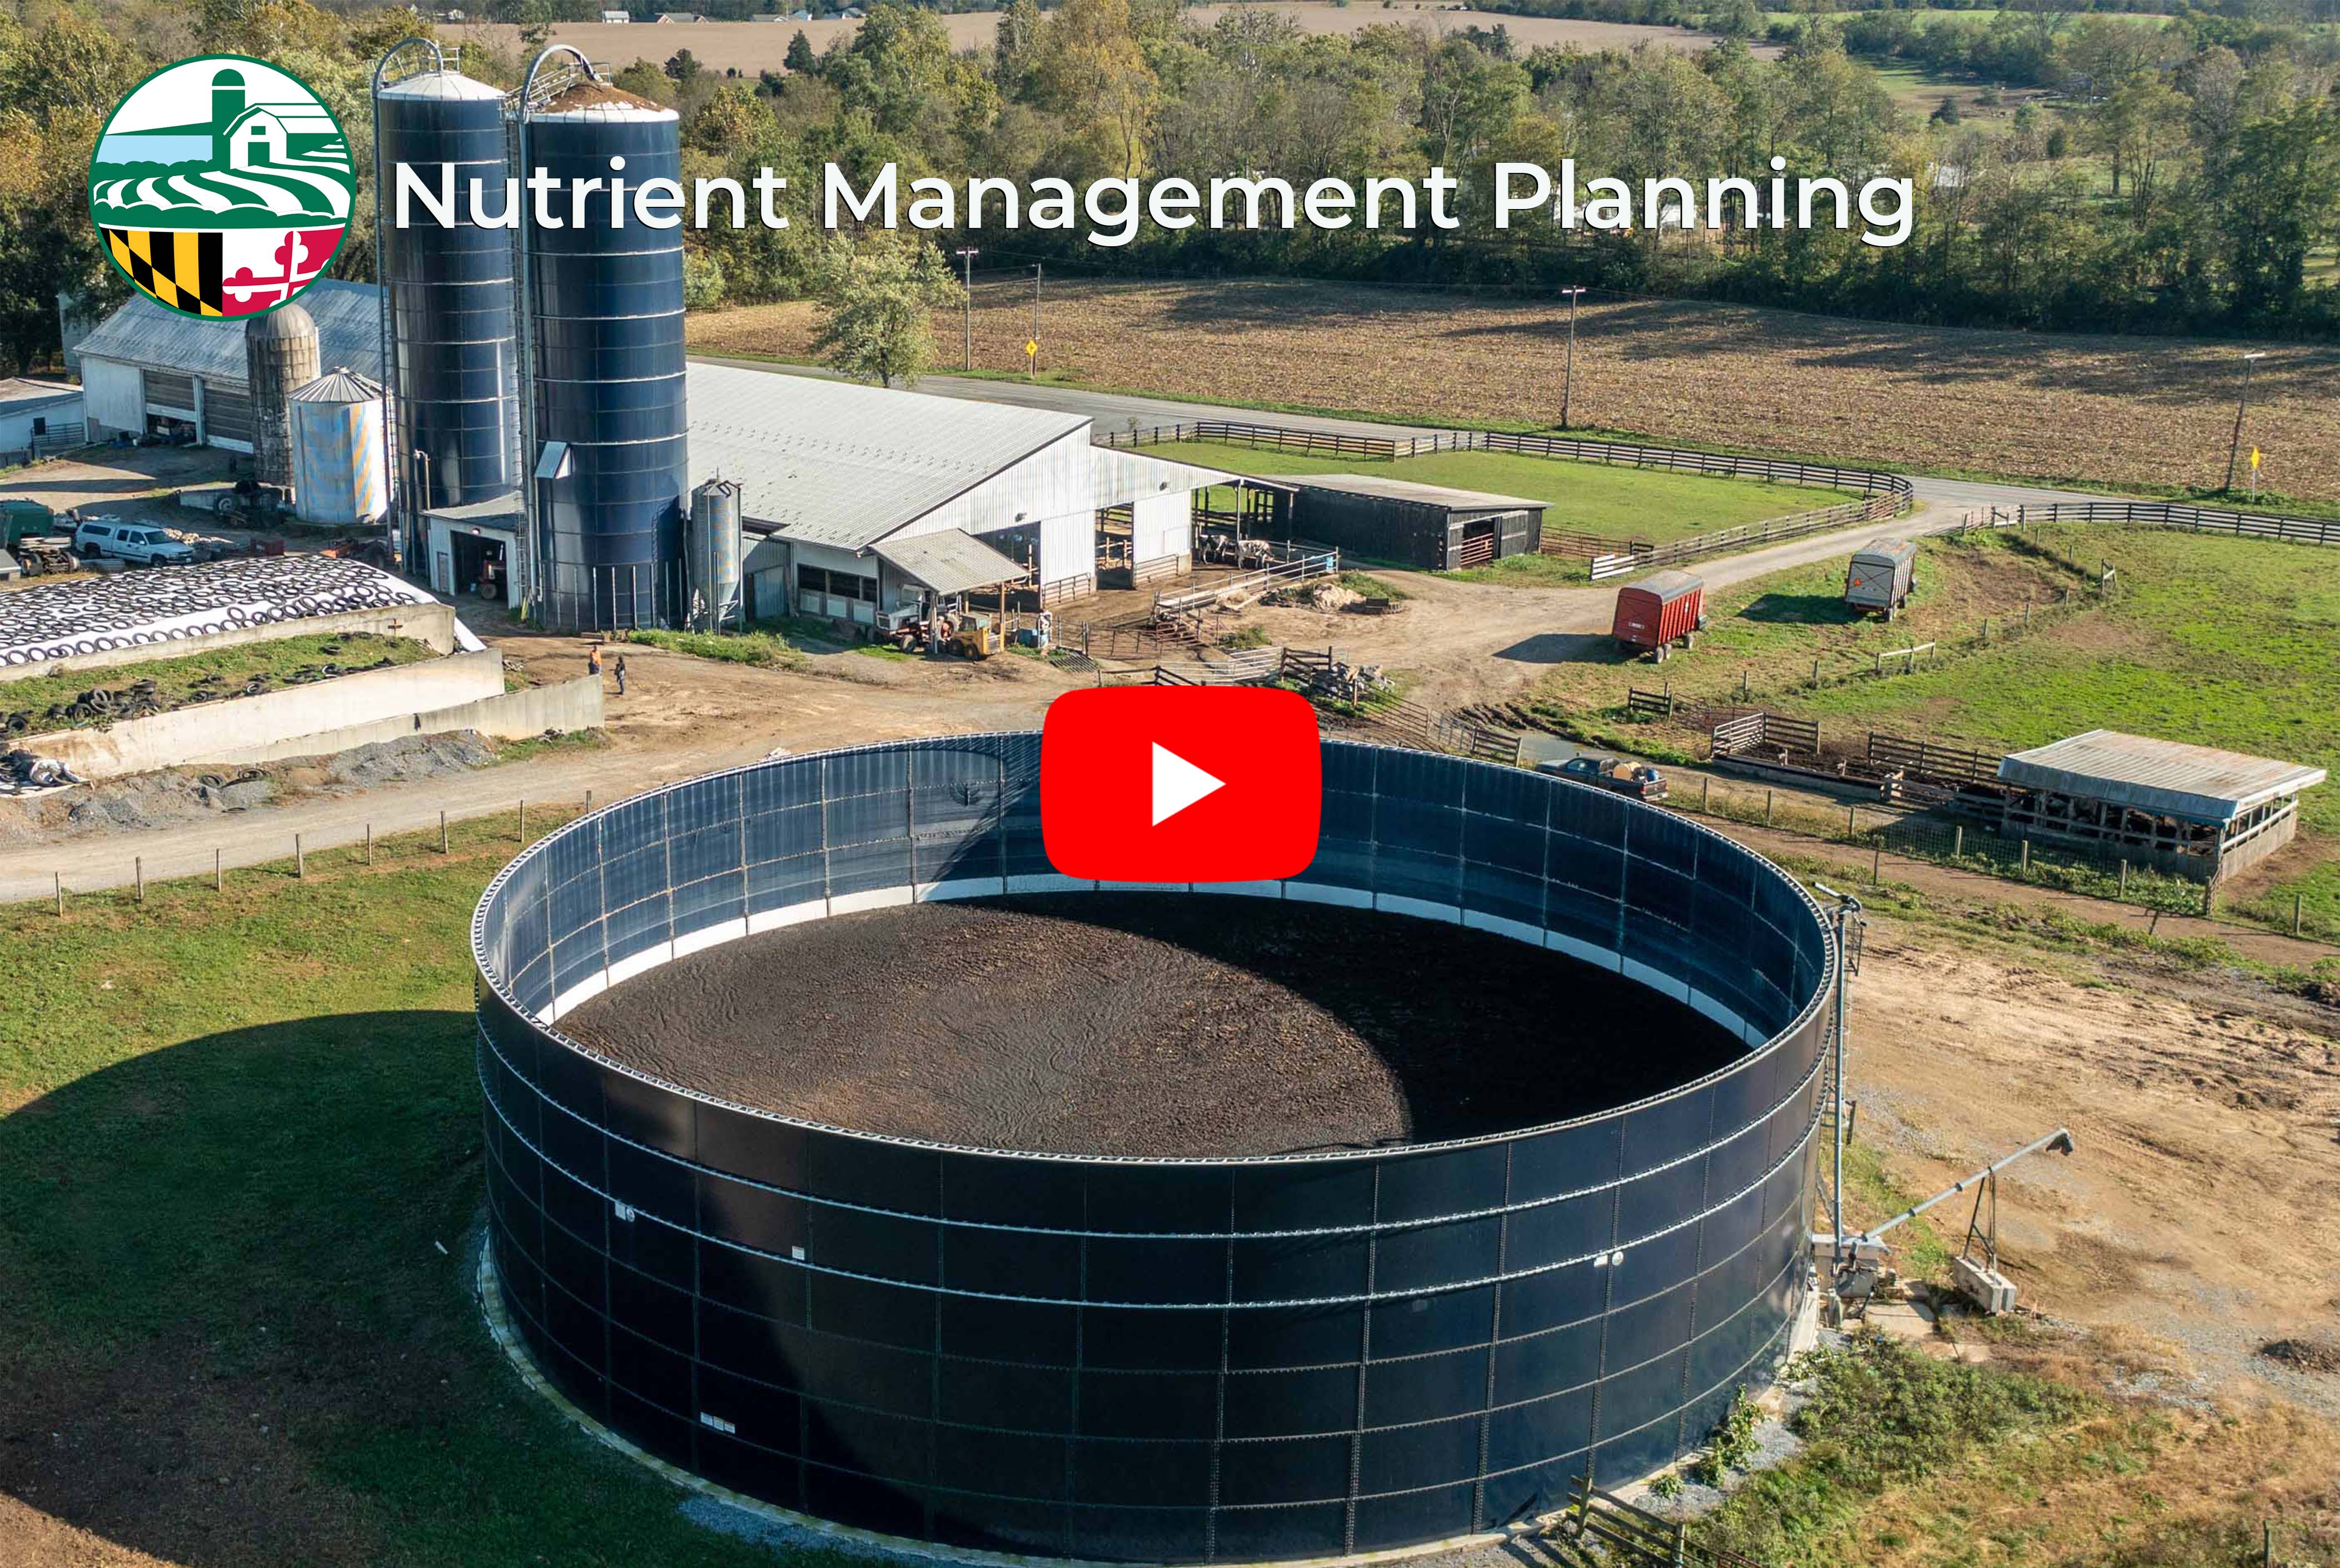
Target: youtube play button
<point x="1180" y="784"/>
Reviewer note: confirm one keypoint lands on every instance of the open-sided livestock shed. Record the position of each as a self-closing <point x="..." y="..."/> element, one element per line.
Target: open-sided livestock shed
<point x="1433" y="526"/>
<point x="2192" y="810"/>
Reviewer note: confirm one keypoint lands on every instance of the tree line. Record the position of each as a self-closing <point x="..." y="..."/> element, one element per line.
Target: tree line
<point x="2161" y="174"/>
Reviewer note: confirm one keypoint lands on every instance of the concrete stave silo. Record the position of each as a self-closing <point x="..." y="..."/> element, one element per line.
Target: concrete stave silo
<point x="280" y="355"/>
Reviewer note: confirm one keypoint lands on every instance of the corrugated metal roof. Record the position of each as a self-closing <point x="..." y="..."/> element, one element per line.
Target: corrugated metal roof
<point x="2168" y="778"/>
<point x="339" y="386"/>
<point x="1120" y="477"/>
<point x="950" y="561"/>
<point x="143" y="333"/>
<point x="840" y="464"/>
<point x="1887" y="550"/>
<point x="25" y="392"/>
<point x="1407" y="489"/>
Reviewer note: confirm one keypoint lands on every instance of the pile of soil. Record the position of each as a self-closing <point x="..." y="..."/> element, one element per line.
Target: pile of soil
<point x="2316" y="1354"/>
<point x="1151" y="1025"/>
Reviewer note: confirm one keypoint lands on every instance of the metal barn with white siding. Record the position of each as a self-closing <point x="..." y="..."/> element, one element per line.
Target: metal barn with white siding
<point x="146" y="365"/>
<point x="38" y="416"/>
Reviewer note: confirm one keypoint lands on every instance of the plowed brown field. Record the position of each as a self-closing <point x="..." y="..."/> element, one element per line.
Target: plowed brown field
<point x="2110" y="410"/>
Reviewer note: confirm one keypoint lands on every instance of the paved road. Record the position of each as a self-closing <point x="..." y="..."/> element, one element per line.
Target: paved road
<point x="1113" y="411"/>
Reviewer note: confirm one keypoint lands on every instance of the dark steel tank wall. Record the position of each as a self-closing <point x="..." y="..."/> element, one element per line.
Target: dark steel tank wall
<point x="604" y="307"/>
<point x="1147" y="1360"/>
<point x="454" y="307"/>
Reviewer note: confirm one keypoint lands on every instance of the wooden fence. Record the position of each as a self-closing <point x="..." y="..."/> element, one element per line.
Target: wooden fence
<point x="1746" y="732"/>
<point x="2171" y="515"/>
<point x="1931" y="760"/>
<point x="1636" y="1537"/>
<point x="1884" y="495"/>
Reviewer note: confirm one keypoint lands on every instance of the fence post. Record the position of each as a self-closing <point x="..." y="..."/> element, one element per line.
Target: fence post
<point x="2295" y="914"/>
<point x="523" y="819"/>
<point x="1958" y="841"/>
<point x="1706" y="793"/>
<point x="442" y="832"/>
<point x="1767" y="796"/>
<point x="300" y="858"/>
<point x="589" y="799"/>
<point x="2209" y="899"/>
<point x="369" y="843"/>
<point x="2123" y="882"/>
<point x="219" y="876"/>
<point x="1877" y="860"/>
<point x="1744" y="675"/>
<point x="1816" y="672"/>
<point x="60" y="876"/>
<point x="138" y="870"/>
<point x="2027" y="855"/>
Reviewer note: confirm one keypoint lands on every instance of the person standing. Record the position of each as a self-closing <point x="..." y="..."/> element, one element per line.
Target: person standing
<point x="622" y="675"/>
<point x="593" y="659"/>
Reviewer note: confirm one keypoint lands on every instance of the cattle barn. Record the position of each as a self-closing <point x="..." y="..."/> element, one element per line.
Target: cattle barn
<point x="1431" y="526"/>
<point x="2193" y="810"/>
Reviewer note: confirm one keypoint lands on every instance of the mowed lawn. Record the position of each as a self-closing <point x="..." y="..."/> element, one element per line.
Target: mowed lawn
<point x="1618" y="503"/>
<point x="240" y="1141"/>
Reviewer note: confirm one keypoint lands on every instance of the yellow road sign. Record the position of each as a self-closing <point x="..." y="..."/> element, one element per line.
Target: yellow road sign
<point x="2254" y="457"/>
<point x="1032" y="349"/>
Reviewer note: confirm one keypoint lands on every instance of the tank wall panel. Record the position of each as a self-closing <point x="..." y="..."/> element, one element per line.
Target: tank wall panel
<point x="1127" y="1359"/>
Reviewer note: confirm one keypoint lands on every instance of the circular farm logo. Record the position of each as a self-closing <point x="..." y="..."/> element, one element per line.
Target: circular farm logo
<point x="221" y="186"/>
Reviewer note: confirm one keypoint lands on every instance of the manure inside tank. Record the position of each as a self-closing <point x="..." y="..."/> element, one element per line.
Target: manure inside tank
<point x="1151" y="1025"/>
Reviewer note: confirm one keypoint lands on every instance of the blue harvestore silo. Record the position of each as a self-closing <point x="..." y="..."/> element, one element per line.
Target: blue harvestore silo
<point x="450" y="317"/>
<point x="605" y="359"/>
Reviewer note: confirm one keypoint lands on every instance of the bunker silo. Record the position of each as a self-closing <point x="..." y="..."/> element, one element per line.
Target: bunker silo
<point x="604" y="368"/>
<point x="337" y="443"/>
<point x="449" y="306"/>
<point x="280" y="353"/>
<point x="714" y="556"/>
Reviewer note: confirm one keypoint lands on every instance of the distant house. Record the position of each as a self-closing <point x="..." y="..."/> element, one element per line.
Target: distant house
<point x="679" y="17"/>
<point x="615" y="17"/>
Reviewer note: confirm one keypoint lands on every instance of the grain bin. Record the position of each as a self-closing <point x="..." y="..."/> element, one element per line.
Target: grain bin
<point x="280" y="354"/>
<point x="1662" y="608"/>
<point x="712" y="552"/>
<point x="1881" y="574"/>
<point x="337" y="443"/>
<point x="449" y="301"/>
<point x="604" y="389"/>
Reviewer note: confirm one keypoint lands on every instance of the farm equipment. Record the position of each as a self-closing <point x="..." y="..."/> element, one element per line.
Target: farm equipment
<point x="1881" y="576"/>
<point x="975" y="636"/>
<point x="1662" y="610"/>
<point x="1861" y="1258"/>
<point x="1637" y="779"/>
<point x="252" y="505"/>
<point x="28" y="531"/>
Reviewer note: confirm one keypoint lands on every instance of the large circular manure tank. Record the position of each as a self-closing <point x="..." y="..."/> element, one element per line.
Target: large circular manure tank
<point x="842" y="1154"/>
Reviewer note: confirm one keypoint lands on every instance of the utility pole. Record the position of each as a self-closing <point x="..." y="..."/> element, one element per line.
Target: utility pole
<point x="1568" y="376"/>
<point x="1032" y="352"/>
<point x="2235" y="447"/>
<point x="966" y="261"/>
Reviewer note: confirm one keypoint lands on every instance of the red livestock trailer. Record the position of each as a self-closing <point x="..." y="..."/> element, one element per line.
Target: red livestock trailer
<point x="1662" y="608"/>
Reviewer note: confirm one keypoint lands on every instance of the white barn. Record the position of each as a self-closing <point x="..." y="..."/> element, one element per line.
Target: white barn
<point x="146" y="366"/>
<point x="866" y="497"/>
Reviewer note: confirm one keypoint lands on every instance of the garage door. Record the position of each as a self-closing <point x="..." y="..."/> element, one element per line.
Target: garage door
<point x="227" y="416"/>
<point x="170" y="393"/>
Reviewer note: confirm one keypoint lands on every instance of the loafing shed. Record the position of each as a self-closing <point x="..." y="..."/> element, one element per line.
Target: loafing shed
<point x="1432" y="526"/>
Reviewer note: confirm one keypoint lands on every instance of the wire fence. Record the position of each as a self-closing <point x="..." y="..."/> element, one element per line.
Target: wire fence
<point x="1944" y="839"/>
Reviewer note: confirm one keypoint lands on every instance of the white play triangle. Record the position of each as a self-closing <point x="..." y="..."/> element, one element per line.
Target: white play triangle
<point x="1178" y="784"/>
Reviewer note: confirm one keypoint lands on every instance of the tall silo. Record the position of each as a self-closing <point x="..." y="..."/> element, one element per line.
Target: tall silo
<point x="605" y="363"/>
<point x="337" y="440"/>
<point x="449" y="306"/>
<point x="280" y="353"/>
<point x="713" y="548"/>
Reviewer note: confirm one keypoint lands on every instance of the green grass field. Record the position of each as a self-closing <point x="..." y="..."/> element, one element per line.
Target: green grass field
<point x="2221" y="642"/>
<point x="236" y="1132"/>
<point x="1586" y="497"/>
<point x="225" y="669"/>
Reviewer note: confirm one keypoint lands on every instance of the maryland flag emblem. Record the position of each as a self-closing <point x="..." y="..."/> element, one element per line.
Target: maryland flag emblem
<point x="221" y="186"/>
<point x="210" y="272"/>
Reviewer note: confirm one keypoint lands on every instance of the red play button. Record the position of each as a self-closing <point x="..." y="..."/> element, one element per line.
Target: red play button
<point x="1180" y="784"/>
